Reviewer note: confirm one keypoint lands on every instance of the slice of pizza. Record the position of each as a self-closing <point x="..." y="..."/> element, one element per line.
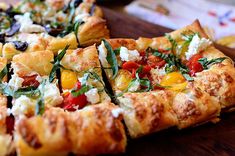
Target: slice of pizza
<point x="50" y="25"/>
<point x="32" y="84"/>
<point x="182" y="62"/>
<point x="81" y="78"/>
<point x="95" y="129"/>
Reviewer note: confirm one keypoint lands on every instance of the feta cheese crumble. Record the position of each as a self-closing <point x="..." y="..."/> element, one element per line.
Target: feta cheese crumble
<point x="93" y="96"/>
<point x="27" y="25"/>
<point x="102" y="55"/>
<point x="197" y="45"/>
<point x="129" y="55"/>
<point x="15" y="82"/>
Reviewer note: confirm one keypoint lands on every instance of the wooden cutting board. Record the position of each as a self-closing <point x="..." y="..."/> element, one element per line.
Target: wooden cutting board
<point x="207" y="139"/>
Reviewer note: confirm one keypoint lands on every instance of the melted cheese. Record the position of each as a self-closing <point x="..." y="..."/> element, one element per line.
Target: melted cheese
<point x="93" y="96"/>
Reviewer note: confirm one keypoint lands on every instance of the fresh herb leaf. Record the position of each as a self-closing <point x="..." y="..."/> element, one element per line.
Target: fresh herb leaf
<point x="173" y="43"/>
<point x="30" y="91"/>
<point x="3" y="73"/>
<point x="76" y="27"/>
<point x="111" y="58"/>
<point x="56" y="64"/>
<point x="6" y="90"/>
<point x="174" y="63"/>
<point x="117" y="51"/>
<point x="40" y="105"/>
<point x="207" y="63"/>
<point x="83" y="90"/>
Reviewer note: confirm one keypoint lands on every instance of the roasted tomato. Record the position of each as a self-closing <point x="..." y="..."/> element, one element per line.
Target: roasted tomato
<point x="70" y="102"/>
<point x="155" y="61"/>
<point x="194" y="65"/>
<point x="10" y="122"/>
<point x="30" y="81"/>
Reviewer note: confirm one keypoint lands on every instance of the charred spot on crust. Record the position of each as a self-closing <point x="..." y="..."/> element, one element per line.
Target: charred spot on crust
<point x="21" y="46"/>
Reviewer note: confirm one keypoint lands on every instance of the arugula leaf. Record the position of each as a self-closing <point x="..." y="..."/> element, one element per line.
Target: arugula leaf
<point x="111" y="58"/>
<point x="206" y="63"/>
<point x="3" y="73"/>
<point x="56" y="64"/>
<point x="75" y="29"/>
<point x="83" y="90"/>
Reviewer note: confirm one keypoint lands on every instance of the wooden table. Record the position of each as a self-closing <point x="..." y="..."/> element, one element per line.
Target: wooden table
<point x="208" y="139"/>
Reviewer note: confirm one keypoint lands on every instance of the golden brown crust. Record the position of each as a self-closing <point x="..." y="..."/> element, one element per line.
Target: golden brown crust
<point x="81" y="59"/>
<point x="194" y="106"/>
<point x="92" y="31"/>
<point x="27" y="63"/>
<point x="149" y="112"/>
<point x="93" y="130"/>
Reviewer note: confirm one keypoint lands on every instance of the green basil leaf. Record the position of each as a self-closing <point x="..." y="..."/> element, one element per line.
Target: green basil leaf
<point x="146" y="83"/>
<point x="40" y="105"/>
<point x="173" y="42"/>
<point x="111" y="58"/>
<point x="83" y="90"/>
<point x="207" y="63"/>
<point x="30" y="91"/>
<point x="117" y="51"/>
<point x="56" y="65"/>
<point x="3" y="73"/>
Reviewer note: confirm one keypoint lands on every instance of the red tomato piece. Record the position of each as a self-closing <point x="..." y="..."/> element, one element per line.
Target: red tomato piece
<point x="130" y="65"/>
<point x="194" y="65"/>
<point x="30" y="81"/>
<point x="70" y="102"/>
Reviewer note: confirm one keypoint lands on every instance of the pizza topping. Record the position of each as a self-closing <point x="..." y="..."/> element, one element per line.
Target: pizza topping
<point x="129" y="55"/>
<point x="174" y="64"/>
<point x="117" y="112"/>
<point x="197" y="45"/>
<point x="77" y="98"/>
<point x="174" y="81"/>
<point x="56" y="64"/>
<point x="15" y="27"/>
<point x="123" y="79"/>
<point x="68" y="79"/>
<point x="30" y="81"/>
<point x="111" y="58"/>
<point x="93" y="96"/>
<point x="15" y="82"/>
<point x="27" y="25"/>
<point x="194" y="65"/>
<point x="19" y="45"/>
<point x="207" y="63"/>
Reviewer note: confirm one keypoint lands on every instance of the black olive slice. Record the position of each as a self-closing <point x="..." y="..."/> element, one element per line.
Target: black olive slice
<point x="21" y="46"/>
<point x="15" y="27"/>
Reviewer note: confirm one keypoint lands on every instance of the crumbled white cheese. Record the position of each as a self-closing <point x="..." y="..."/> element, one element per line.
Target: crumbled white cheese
<point x="135" y="86"/>
<point x="22" y="106"/>
<point x="129" y="55"/>
<point x="93" y="96"/>
<point x="117" y="112"/>
<point x="52" y="95"/>
<point x="15" y="82"/>
<point x="27" y="25"/>
<point x="102" y="55"/>
<point x="197" y="45"/>
<point x="81" y="17"/>
<point x="158" y="71"/>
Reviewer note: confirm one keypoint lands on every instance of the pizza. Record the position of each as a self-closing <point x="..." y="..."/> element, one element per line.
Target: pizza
<point x="180" y="79"/>
<point x="67" y="89"/>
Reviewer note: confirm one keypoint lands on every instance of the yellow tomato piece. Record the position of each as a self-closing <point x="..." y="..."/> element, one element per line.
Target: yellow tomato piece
<point x="68" y="79"/>
<point x="172" y="78"/>
<point x="178" y="87"/>
<point x="122" y="80"/>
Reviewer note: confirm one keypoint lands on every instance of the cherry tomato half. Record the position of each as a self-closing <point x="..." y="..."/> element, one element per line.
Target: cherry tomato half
<point x="30" y="81"/>
<point x="194" y="65"/>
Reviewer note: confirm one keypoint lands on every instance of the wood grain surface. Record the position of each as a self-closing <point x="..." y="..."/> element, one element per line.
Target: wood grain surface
<point x="205" y="140"/>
